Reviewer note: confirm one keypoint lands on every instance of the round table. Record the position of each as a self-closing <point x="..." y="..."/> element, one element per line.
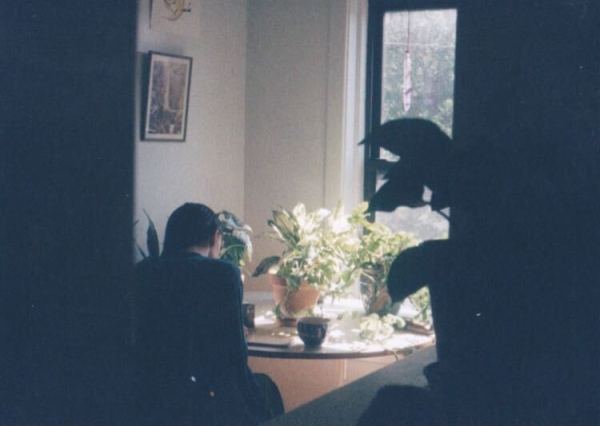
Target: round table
<point x="342" y="341"/>
<point x="303" y="374"/>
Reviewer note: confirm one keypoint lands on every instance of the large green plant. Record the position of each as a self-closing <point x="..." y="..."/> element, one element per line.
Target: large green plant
<point x="377" y="246"/>
<point x="427" y="158"/>
<point x="372" y="259"/>
<point x="237" y="242"/>
<point x="316" y="249"/>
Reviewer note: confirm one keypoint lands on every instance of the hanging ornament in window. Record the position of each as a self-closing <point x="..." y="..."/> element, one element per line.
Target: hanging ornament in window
<point x="407" y="83"/>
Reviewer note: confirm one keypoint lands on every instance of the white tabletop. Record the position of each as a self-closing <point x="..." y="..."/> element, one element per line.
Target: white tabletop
<point x="342" y="341"/>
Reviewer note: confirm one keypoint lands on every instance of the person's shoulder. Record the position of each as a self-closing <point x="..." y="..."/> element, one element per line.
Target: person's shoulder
<point x="224" y="278"/>
<point x="201" y="266"/>
<point x="222" y="267"/>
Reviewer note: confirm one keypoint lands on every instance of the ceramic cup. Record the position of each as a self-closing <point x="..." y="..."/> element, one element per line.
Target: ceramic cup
<point x="312" y="330"/>
<point x="248" y="314"/>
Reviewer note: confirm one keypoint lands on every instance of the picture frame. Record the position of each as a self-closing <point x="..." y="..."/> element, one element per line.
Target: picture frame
<point x="167" y="97"/>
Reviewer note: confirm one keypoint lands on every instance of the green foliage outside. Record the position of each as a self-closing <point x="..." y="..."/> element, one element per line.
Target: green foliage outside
<point x="432" y="51"/>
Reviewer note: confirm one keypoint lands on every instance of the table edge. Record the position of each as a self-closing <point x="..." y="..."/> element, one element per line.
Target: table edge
<point x="267" y="352"/>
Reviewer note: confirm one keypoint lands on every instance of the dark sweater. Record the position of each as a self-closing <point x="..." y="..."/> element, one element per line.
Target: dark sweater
<point x="191" y="351"/>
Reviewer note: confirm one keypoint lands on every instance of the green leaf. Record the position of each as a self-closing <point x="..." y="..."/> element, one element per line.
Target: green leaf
<point x="152" y="238"/>
<point x="266" y="264"/>
<point x="230" y="222"/>
<point x="237" y="244"/>
<point x="286" y="225"/>
<point x="245" y="240"/>
<point x="142" y="252"/>
<point x="277" y="234"/>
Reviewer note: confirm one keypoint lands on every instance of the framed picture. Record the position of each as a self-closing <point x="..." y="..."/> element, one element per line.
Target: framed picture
<point x="167" y="97"/>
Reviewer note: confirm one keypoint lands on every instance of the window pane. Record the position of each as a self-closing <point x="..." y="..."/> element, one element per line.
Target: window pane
<point x="424" y="89"/>
<point x="428" y="39"/>
<point x="421" y="222"/>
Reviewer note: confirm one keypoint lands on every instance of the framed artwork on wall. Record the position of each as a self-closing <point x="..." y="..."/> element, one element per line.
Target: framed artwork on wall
<point x="167" y="97"/>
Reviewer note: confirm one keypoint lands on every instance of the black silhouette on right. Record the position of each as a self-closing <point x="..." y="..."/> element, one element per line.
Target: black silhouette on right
<point x="508" y="291"/>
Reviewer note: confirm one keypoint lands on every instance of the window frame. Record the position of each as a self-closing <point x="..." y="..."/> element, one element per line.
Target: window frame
<point x="377" y="9"/>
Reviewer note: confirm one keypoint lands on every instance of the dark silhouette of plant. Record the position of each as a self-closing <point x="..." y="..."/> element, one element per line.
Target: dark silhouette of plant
<point x="152" y="242"/>
<point x="425" y="154"/>
<point x="426" y="160"/>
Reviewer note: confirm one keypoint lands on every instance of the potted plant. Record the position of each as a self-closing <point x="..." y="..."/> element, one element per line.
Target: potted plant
<point x="313" y="262"/>
<point x="152" y="241"/>
<point x="237" y="243"/>
<point x="429" y="159"/>
<point x="377" y="248"/>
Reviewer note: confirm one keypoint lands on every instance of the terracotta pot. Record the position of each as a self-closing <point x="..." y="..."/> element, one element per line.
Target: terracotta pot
<point x="292" y="303"/>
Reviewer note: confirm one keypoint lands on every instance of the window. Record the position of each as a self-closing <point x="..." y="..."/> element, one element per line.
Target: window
<point x="410" y="74"/>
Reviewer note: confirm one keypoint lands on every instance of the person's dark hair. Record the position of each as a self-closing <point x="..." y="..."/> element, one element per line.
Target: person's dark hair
<point x="189" y="225"/>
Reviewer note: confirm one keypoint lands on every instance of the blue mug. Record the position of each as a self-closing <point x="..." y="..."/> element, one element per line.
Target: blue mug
<point x="312" y="330"/>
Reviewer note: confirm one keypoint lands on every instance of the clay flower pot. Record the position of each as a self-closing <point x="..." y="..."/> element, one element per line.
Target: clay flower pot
<point x="291" y="303"/>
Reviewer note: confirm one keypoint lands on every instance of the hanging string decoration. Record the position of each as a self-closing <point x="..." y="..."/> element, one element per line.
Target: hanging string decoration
<point x="407" y="83"/>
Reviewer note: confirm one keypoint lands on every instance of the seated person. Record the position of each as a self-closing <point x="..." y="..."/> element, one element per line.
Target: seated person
<point x="190" y="346"/>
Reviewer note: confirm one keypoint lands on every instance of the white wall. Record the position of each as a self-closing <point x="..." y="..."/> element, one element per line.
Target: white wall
<point x="209" y="166"/>
<point x="267" y="115"/>
<point x="295" y="109"/>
